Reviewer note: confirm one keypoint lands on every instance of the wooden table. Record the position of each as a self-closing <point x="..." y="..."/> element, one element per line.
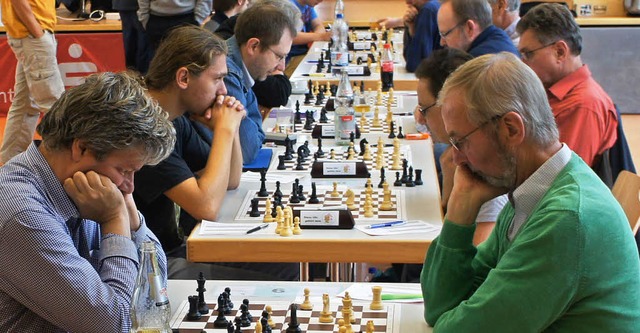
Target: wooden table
<point x="334" y="246"/>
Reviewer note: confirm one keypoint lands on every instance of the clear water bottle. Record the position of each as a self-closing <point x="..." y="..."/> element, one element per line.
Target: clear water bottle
<point x="150" y="308"/>
<point x="345" y="120"/>
<point x="386" y="72"/>
<point x="340" y="37"/>
<point x="339" y="8"/>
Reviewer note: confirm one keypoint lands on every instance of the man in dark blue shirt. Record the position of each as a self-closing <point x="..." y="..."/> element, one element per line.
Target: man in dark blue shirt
<point x="467" y="25"/>
<point x="421" y="35"/>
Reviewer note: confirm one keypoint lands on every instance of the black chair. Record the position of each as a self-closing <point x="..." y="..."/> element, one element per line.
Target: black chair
<point x="616" y="158"/>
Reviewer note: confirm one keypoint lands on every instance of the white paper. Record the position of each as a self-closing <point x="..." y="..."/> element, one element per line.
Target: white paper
<point x="362" y="291"/>
<point x="410" y="227"/>
<point x="217" y="228"/>
<point x="283" y="178"/>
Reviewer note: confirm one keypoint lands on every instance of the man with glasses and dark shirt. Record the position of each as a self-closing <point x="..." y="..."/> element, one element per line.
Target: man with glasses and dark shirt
<point x="467" y="25"/>
<point x="262" y="40"/>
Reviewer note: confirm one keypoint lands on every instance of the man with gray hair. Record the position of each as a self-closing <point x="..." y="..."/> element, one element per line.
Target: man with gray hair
<point x="466" y="25"/>
<point x="263" y="36"/>
<point x="70" y="228"/>
<point x="506" y="15"/>
<point x="550" y="43"/>
<point x="561" y="256"/>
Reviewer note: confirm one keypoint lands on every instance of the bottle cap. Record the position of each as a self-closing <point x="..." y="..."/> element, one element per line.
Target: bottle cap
<point x="339" y="15"/>
<point x="387" y="46"/>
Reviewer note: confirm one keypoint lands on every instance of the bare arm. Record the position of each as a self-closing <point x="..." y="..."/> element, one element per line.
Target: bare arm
<point x="236" y="165"/>
<point x="25" y="15"/>
<point x="202" y="197"/>
<point x="318" y="33"/>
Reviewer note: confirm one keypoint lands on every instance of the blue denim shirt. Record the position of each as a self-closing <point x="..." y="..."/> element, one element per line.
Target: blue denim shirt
<point x="426" y="38"/>
<point x="251" y="133"/>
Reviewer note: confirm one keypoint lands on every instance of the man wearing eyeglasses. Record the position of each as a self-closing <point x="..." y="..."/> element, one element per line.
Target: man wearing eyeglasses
<point x="506" y="15"/>
<point x="550" y="44"/>
<point x="263" y="36"/>
<point x="561" y="257"/>
<point x="467" y="25"/>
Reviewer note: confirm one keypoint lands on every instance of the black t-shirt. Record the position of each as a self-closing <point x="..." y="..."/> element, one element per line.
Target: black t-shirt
<point x="189" y="156"/>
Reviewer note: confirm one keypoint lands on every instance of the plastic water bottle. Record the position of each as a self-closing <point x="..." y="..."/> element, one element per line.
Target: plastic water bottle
<point x="150" y="308"/>
<point x="339" y="8"/>
<point x="340" y="37"/>
<point x="345" y="120"/>
<point x="386" y="72"/>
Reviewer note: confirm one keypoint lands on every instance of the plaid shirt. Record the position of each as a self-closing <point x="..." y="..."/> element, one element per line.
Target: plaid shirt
<point x="58" y="273"/>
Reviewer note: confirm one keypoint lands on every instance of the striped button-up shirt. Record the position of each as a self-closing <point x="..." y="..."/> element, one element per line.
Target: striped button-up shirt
<point x="57" y="272"/>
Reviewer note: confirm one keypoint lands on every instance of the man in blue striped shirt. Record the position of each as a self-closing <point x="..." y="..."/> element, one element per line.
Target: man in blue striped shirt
<point x="69" y="228"/>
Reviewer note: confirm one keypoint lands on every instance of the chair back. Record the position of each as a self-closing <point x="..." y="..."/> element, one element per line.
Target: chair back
<point x="615" y="159"/>
<point x="627" y="191"/>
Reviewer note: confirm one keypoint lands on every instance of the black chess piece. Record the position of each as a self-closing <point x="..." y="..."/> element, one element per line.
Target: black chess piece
<point x="319" y="98"/>
<point x="352" y="139"/>
<point x="410" y="182"/>
<point x="203" y="308"/>
<point x="362" y="143"/>
<point x="294" y="326"/>
<point x="398" y="182"/>
<point x="392" y="130"/>
<point x="320" y="63"/>
<point x="193" y="313"/>
<point x="307" y="98"/>
<point x="288" y="151"/>
<point x="308" y="121"/>
<point x="238" y="323"/>
<point x="281" y="166"/>
<point x="294" y="194"/>
<point x="306" y="149"/>
<point x="254" y="208"/>
<point x="301" y="193"/>
<point x="274" y="204"/>
<point x="319" y="151"/>
<point x="400" y="134"/>
<point x="244" y="319"/>
<point x="221" y="321"/>
<point x="298" y="116"/>
<point x="405" y="174"/>
<point x="227" y="290"/>
<point x="382" y="179"/>
<point x="264" y="320"/>
<point x="226" y="306"/>
<point x="230" y="328"/>
<point x="263" y="182"/>
<point x="246" y="303"/>
<point x="300" y="163"/>
<point x="334" y="89"/>
<point x="278" y="192"/>
<point x="313" y="199"/>
<point x="418" y="180"/>
<point x="301" y="152"/>
<point x="329" y="67"/>
<point x="323" y="116"/>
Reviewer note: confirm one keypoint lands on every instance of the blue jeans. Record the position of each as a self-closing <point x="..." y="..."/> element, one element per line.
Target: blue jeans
<point x="38" y="85"/>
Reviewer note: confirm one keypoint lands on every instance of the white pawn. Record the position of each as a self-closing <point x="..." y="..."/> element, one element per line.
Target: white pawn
<point x="366" y="156"/>
<point x="267" y="212"/>
<point x="306" y="305"/>
<point x="279" y="219"/>
<point x="296" y="226"/>
<point x="258" y="327"/>
<point x="335" y="193"/>
<point x="368" y="206"/>
<point x="376" y="117"/>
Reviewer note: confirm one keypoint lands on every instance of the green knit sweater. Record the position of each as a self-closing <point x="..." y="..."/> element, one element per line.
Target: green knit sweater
<point x="572" y="267"/>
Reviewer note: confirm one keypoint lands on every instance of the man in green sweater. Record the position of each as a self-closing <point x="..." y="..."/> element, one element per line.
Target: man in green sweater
<point x="561" y="257"/>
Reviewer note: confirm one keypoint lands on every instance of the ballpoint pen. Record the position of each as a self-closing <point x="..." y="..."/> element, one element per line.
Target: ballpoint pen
<point x="260" y="227"/>
<point x="386" y="224"/>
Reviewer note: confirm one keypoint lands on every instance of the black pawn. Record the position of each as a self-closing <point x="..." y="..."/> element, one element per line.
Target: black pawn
<point x="398" y="182"/>
<point x="382" y="179"/>
<point x="392" y="130"/>
<point x="307" y="98"/>
<point x="193" y="313"/>
<point x="400" y="134"/>
<point x="405" y="174"/>
<point x="263" y="183"/>
<point x="418" y="180"/>
<point x="244" y="319"/>
<point x="300" y="162"/>
<point x="202" y="304"/>
<point x="319" y="151"/>
<point x="301" y="193"/>
<point x="294" y="194"/>
<point x="227" y="305"/>
<point x="294" y="326"/>
<point x="238" y="323"/>
<point x="227" y="291"/>
<point x="254" y="208"/>
<point x="281" y="166"/>
<point x="246" y="304"/>
<point x="264" y="320"/>
<point x="230" y="328"/>
<point x="221" y="321"/>
<point x="313" y="199"/>
<point x="319" y="98"/>
<point x="288" y="151"/>
<point x="278" y="192"/>
<point x="274" y="204"/>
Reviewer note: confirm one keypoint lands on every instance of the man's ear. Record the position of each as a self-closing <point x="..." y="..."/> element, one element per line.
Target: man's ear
<point x="512" y="128"/>
<point x="562" y="50"/>
<point x="253" y="46"/>
<point x="182" y="77"/>
<point x="78" y="150"/>
<point x="502" y="5"/>
<point x="468" y="27"/>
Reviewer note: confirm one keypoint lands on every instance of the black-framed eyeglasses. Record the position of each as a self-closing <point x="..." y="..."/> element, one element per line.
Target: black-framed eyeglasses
<point x="526" y="55"/>
<point x="279" y="56"/>
<point x="457" y="143"/>
<point x="424" y="110"/>
<point x="444" y="35"/>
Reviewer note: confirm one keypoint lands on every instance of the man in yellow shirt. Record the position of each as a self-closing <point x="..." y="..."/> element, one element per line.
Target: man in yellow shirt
<point x="38" y="82"/>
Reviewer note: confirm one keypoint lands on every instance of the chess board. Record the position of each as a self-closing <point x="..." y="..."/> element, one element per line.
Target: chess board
<point x="397" y="212"/>
<point x="372" y="99"/>
<point x="385" y="320"/>
<point x="341" y="155"/>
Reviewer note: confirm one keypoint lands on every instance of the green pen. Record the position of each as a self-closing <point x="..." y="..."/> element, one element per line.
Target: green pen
<point x="391" y="297"/>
